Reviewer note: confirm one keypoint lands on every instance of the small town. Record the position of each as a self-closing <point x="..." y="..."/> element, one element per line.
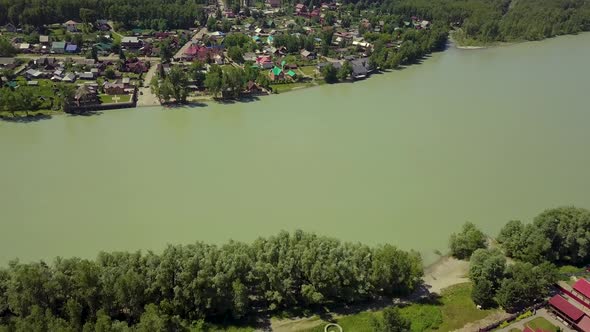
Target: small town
<point x="88" y="63"/>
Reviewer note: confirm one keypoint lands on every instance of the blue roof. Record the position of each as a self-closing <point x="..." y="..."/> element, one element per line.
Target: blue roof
<point x="71" y="47"/>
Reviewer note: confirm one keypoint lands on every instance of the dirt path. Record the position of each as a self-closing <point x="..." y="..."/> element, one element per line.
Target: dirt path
<point x="145" y="96"/>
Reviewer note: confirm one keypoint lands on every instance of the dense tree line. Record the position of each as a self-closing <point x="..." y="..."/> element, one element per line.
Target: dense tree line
<point x="145" y="13"/>
<point x="560" y="235"/>
<point x="189" y="283"/>
<point x="512" y="287"/>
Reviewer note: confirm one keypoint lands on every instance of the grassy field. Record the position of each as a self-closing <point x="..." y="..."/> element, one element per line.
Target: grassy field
<point x="108" y="99"/>
<point x="308" y="70"/>
<point x="280" y="88"/>
<point x="542" y="323"/>
<point x="453" y="310"/>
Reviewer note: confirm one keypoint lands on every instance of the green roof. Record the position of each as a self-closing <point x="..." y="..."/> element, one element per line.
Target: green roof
<point x="291" y="73"/>
<point x="277" y="71"/>
<point x="58" y="45"/>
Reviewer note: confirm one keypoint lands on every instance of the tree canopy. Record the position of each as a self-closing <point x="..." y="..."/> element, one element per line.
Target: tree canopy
<point x="188" y="283"/>
<point x="470" y="238"/>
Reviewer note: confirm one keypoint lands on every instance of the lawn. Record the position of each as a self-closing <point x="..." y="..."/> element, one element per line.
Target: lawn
<point x="279" y="88"/>
<point x="108" y="99"/>
<point x="308" y="70"/>
<point x="453" y="311"/>
<point x="542" y="323"/>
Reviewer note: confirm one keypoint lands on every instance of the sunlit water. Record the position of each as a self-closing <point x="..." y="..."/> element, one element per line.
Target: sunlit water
<point x="404" y="158"/>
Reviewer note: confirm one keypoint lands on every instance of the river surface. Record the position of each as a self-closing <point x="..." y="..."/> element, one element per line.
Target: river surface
<point x="404" y="158"/>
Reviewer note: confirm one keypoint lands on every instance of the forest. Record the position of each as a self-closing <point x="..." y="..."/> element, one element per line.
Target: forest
<point x="482" y="21"/>
<point x="186" y="284"/>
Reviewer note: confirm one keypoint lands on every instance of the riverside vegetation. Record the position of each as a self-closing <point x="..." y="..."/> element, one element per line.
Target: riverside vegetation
<point x="384" y="24"/>
<point x="557" y="237"/>
<point x="186" y="286"/>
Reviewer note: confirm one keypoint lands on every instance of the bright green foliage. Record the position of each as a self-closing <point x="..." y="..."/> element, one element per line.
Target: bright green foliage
<point x="392" y="321"/>
<point x="556" y="235"/>
<point x="185" y="284"/>
<point x="467" y="241"/>
<point x="524" y="285"/>
<point x="486" y="270"/>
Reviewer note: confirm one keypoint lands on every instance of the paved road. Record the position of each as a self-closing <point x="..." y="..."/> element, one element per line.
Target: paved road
<point x="146" y="97"/>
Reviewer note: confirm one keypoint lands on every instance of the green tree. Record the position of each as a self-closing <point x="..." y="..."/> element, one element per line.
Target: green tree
<point x="165" y="51"/>
<point x="330" y="74"/>
<point x="213" y="80"/>
<point x="467" y="241"/>
<point x="110" y="73"/>
<point x="392" y="321"/>
<point x="6" y="48"/>
<point x="196" y="72"/>
<point x="236" y="54"/>
<point x="345" y="71"/>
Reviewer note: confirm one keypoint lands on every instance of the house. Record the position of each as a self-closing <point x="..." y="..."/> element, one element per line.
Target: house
<point x="218" y="59"/>
<point x="24" y="47"/>
<point x="264" y="62"/>
<point x="274" y="3"/>
<point x="85" y="96"/>
<point x="33" y="83"/>
<point x="136" y="66"/>
<point x="300" y="9"/>
<point x="33" y="73"/>
<point x="44" y="40"/>
<point x="582" y="290"/>
<point x="7" y="63"/>
<point x="270" y="40"/>
<point x="114" y="88"/>
<point x="253" y="89"/>
<point x="71" y="26"/>
<point x="10" y="27"/>
<point x="291" y="74"/>
<point x="85" y="75"/>
<point x="69" y="78"/>
<point x="249" y="56"/>
<point x="58" y="47"/>
<point x="565" y="310"/>
<point x="360" y="68"/>
<point x="72" y="48"/>
<point x="126" y="82"/>
<point x="307" y="55"/>
<point x="131" y="42"/>
<point x="276" y="74"/>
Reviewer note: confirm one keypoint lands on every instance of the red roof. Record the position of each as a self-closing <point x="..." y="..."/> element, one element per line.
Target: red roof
<point x="583" y="286"/>
<point x="566" y="308"/>
<point x="527" y="329"/>
<point x="584" y="324"/>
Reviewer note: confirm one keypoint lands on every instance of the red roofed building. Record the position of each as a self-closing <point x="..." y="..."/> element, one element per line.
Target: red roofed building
<point x="584" y="324"/>
<point x="565" y="309"/>
<point x="527" y="329"/>
<point x="582" y="289"/>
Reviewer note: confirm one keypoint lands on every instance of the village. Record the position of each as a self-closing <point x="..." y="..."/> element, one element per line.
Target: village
<point x="241" y="52"/>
